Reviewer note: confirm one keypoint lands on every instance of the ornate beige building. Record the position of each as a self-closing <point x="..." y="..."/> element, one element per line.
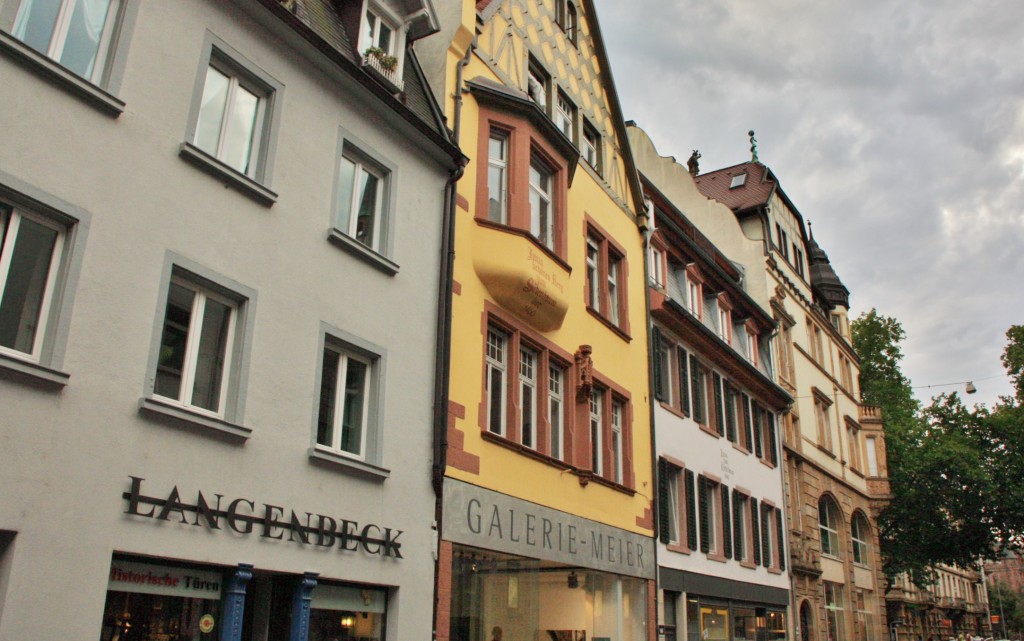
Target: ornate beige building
<point x="957" y="603"/>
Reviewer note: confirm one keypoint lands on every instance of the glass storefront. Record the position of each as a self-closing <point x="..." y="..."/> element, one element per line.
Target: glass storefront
<point x="530" y="599"/>
<point x="719" y="620"/>
<point x="158" y="602"/>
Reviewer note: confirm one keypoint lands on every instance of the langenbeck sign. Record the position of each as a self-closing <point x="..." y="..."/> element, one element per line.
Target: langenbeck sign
<point x="244" y="516"/>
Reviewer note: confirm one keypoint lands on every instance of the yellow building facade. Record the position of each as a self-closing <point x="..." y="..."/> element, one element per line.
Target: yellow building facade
<point x="546" y="522"/>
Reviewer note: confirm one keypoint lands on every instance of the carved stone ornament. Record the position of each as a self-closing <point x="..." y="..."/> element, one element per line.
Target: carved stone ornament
<point x="585" y="366"/>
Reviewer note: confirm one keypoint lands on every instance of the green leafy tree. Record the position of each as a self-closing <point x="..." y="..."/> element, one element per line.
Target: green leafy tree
<point x="1009" y="606"/>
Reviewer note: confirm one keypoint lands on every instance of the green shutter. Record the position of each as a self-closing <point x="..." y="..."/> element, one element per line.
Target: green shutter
<point x="726" y="523"/>
<point x="766" y="537"/>
<point x="663" y="499"/>
<point x="778" y="530"/>
<point x="684" y="381"/>
<point x="659" y="374"/>
<point x="756" y="409"/>
<point x="702" y="493"/>
<point x="698" y="393"/>
<point x="691" y="511"/>
<point x="745" y="400"/>
<point x="737" y="527"/>
<point x="755" y="530"/>
<point x="719" y="414"/>
<point x="772" y="448"/>
<point x="730" y="411"/>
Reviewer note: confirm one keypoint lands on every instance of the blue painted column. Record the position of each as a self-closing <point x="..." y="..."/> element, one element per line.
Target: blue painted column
<point x="234" y="603"/>
<point x="300" y="607"/>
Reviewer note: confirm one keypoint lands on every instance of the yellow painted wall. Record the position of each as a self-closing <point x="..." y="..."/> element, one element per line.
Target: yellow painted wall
<point x="481" y="248"/>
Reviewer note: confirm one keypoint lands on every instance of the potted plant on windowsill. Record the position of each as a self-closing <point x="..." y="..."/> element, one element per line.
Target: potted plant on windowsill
<point x="387" y="62"/>
<point x="384" y="66"/>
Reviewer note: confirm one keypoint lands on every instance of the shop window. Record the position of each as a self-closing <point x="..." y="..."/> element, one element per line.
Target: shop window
<point x="744" y="624"/>
<point x="606" y="266"/>
<point x="671" y="618"/>
<point x="714" y="622"/>
<point x="347" y="612"/>
<point x="149" y="601"/>
<point x="828" y="527"/>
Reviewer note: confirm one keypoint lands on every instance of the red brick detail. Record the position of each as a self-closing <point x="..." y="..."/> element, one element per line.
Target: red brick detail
<point x="458" y="457"/>
<point x="457" y="288"/>
<point x="444" y="592"/>
<point x="647" y="520"/>
<point x="462" y="202"/>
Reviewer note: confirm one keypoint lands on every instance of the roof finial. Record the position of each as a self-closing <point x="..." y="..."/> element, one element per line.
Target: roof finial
<point x="692" y="163"/>
<point x="810" y="230"/>
<point x="753" y="146"/>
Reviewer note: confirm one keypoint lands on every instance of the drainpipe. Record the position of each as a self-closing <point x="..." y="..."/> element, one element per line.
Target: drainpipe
<point x="442" y="365"/>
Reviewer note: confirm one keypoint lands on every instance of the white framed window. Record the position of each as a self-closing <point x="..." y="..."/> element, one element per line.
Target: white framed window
<point x="657" y="266"/>
<point x="379" y="32"/>
<point x="542" y="221"/>
<point x="360" y="204"/>
<point x="593" y="274"/>
<point x="695" y="297"/>
<point x="613" y="289"/>
<point x="344" y="416"/>
<point x="195" y="357"/>
<point x="752" y="352"/>
<point x="497" y="177"/>
<point x="828" y="527"/>
<point x="75" y="33"/>
<point x="859" y="533"/>
<point x="31" y="252"/>
<point x="674" y="508"/>
<point x="591" y="146"/>
<point x="556" y="411"/>
<point x="872" y="456"/>
<point x="597" y="431"/>
<point x="233" y="120"/>
<point x="713" y="512"/>
<point x="528" y="397"/>
<point x="497" y="380"/>
<point x="617" y="418"/>
<point x="565" y="115"/>
<point x="537" y="85"/>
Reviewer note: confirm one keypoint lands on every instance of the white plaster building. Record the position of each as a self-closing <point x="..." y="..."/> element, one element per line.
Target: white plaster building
<point x="221" y="228"/>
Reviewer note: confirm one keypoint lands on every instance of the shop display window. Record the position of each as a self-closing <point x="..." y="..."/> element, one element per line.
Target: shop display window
<point x="148" y="602"/>
<point x="708" y="620"/>
<point x="347" y="613"/>
<point x="533" y="599"/>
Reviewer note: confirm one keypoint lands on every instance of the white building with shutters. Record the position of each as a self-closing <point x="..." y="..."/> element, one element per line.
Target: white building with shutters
<point x="721" y="520"/>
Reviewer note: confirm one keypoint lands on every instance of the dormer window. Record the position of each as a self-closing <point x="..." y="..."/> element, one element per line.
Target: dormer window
<point x="379" y="33"/>
<point x="382" y="41"/>
<point x="738" y="181"/>
<point x="537" y="85"/>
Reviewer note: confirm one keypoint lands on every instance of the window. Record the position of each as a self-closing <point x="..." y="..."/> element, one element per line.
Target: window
<point x="798" y="259"/>
<point x="565" y="116"/>
<point x="596" y="431"/>
<point x="497" y="380"/>
<point x="199" y="355"/>
<point x="361" y="195"/>
<point x="712" y="503"/>
<point x="673" y="507"/>
<point x="198" y="328"/>
<point x="605" y="280"/>
<point x="663" y="367"/>
<point x="379" y="33"/>
<point x="31" y="249"/>
<point x="822" y="408"/>
<point x="556" y="409"/>
<point x="699" y="391"/>
<point x="765" y="426"/>
<point x="537" y="81"/>
<point x="233" y="120"/>
<point x="591" y="146"/>
<point x="730" y="395"/>
<point x="695" y="294"/>
<point x="677" y="506"/>
<point x="738" y="181"/>
<point x="78" y="34"/>
<point x="785" y="349"/>
<point x="814" y="341"/>
<point x="740" y="526"/>
<point x="657" y="267"/>
<point x="769" y="549"/>
<point x="571" y="22"/>
<point x="618" y="410"/>
<point x="853" y="443"/>
<point x="872" y="456"/>
<point x="865" y="617"/>
<point x="497" y="177"/>
<point x="859" y="533"/>
<point x="752" y="351"/>
<point x="347" y="416"/>
<point x="782" y="241"/>
<point x="724" y="320"/>
<point x="527" y="396"/>
<point x="834" y="620"/>
<point x="542" y="221"/>
<point x="828" y="527"/>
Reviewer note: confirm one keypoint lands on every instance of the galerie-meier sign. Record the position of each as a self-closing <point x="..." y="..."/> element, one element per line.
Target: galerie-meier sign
<point x="265" y="520"/>
<point x="486" y="519"/>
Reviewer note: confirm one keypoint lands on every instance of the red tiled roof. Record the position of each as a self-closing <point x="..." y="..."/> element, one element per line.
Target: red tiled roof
<point x="754" y="192"/>
<point x="482" y="4"/>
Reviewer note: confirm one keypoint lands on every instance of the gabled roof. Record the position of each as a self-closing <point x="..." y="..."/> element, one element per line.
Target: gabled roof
<point x="321" y="24"/>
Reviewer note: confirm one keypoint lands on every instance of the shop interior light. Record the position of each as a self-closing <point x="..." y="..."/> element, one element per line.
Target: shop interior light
<point x="347" y="620"/>
<point x="573" y="581"/>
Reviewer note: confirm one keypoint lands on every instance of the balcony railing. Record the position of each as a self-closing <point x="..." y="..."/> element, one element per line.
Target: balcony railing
<point x="390" y="77"/>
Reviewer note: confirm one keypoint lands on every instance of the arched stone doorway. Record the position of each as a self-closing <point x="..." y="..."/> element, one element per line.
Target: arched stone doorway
<point x="806" y="622"/>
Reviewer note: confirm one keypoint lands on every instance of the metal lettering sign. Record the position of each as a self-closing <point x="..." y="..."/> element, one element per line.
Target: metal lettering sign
<point x="486" y="519"/>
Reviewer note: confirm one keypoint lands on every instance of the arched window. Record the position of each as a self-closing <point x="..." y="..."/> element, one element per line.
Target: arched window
<point x="859" y="533"/>
<point x="828" y="526"/>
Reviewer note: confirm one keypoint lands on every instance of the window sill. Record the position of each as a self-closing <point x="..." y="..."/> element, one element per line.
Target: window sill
<point x="716" y="557"/>
<point x="185" y="418"/>
<point x="709" y="431"/>
<point x="750" y="565"/>
<point x="231" y="178"/>
<point x="827" y="451"/>
<point x="674" y="547"/>
<point x="774" y="570"/>
<point x="768" y="464"/>
<point x="32" y="373"/>
<point x="610" y="325"/>
<point x="737" y="446"/>
<point x="62" y="77"/>
<point x="586" y="476"/>
<point x="362" y="252"/>
<point x="342" y="463"/>
<point x="673" y="409"/>
<point x="857" y="472"/>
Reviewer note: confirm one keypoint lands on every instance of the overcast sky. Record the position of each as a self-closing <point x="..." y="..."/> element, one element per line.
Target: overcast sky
<point x="897" y="129"/>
